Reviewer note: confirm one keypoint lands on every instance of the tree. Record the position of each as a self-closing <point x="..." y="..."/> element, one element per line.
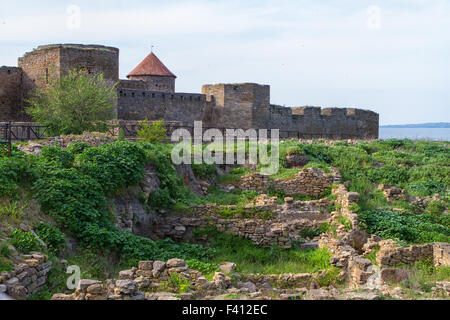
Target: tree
<point x="75" y="103"/>
<point x="154" y="132"/>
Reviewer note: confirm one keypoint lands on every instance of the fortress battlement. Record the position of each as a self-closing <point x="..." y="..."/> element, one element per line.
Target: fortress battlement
<point x="149" y="92"/>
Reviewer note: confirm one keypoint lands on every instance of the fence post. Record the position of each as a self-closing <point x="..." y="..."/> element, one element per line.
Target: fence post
<point x="9" y="138"/>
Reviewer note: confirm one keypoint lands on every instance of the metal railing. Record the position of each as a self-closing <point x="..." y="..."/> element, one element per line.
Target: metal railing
<point x="24" y="131"/>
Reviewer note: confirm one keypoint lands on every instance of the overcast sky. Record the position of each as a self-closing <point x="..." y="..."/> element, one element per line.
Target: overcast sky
<point x="392" y="57"/>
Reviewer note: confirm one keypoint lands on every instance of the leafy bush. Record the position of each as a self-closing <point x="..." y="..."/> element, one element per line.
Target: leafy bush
<point x="14" y="171"/>
<point x="61" y="157"/>
<point x="74" y="103"/>
<point x="203" y="267"/>
<point x="404" y="226"/>
<point x="159" y="156"/>
<point x="114" y="165"/>
<point x="152" y="132"/>
<point x="76" y="147"/>
<point x="435" y="208"/>
<point x="176" y="283"/>
<point x="24" y="241"/>
<point x="52" y="236"/>
<point x="76" y="198"/>
<point x="204" y="170"/>
<point x="160" y="199"/>
<point x="12" y="210"/>
<point x="426" y="188"/>
<point x="5" y="251"/>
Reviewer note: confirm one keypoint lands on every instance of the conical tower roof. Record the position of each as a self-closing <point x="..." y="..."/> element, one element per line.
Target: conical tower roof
<point x="151" y="66"/>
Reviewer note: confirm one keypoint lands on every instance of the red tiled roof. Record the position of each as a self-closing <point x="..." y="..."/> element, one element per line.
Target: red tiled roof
<point x="151" y="66"/>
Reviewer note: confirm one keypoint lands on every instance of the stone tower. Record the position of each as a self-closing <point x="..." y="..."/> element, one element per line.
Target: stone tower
<point x="48" y="61"/>
<point x="155" y="74"/>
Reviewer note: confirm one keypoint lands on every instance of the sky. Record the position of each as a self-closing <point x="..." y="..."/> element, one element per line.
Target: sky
<point x="392" y="57"/>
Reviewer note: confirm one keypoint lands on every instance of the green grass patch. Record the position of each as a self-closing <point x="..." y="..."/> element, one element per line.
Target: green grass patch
<point x="250" y="258"/>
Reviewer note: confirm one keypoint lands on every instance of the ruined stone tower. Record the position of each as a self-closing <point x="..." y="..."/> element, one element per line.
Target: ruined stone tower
<point x="155" y="74"/>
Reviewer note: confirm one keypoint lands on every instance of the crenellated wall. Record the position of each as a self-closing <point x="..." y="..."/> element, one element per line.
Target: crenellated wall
<point x="245" y="106"/>
<point x="239" y="106"/>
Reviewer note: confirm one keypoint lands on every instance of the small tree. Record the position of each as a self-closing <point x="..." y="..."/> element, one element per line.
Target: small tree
<point x="154" y="132"/>
<point x="75" y="103"/>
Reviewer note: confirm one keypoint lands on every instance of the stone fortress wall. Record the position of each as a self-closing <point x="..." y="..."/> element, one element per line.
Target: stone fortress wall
<point x="244" y="105"/>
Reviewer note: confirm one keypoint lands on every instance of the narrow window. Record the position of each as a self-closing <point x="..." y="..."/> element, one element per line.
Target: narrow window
<point x="46" y="75"/>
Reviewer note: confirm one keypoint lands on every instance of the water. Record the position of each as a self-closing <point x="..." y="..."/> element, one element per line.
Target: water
<point x="441" y="134"/>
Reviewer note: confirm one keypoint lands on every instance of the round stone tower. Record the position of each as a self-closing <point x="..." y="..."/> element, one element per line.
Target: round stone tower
<point x="155" y="74"/>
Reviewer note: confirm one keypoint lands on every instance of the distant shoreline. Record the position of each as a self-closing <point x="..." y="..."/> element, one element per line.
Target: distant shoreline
<point x="421" y="125"/>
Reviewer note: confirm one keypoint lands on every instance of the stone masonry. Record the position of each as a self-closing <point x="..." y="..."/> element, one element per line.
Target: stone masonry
<point x="150" y="93"/>
<point x="310" y="182"/>
<point x="28" y="276"/>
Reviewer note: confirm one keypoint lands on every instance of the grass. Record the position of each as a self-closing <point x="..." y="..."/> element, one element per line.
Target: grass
<point x="372" y="256"/>
<point x="92" y="266"/>
<point x="234" y="176"/>
<point x="221" y="197"/>
<point x="423" y="275"/>
<point x="250" y="258"/>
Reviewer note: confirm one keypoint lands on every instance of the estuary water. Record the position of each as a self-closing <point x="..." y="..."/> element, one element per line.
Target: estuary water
<point x="440" y="134"/>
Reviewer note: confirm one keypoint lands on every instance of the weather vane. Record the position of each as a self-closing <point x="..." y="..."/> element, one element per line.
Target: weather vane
<point x="152" y="48"/>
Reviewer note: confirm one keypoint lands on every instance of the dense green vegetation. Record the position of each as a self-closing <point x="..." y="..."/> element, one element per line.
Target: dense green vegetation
<point x="420" y="167"/>
<point x="71" y="186"/>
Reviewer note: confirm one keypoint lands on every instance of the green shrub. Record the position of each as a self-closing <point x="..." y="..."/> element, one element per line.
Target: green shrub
<point x="76" y="198"/>
<point x="203" y="267"/>
<point x="5" y="251"/>
<point x="62" y="157"/>
<point x="354" y="207"/>
<point x="12" y="210"/>
<point x="204" y="170"/>
<point x="177" y="284"/>
<point x="6" y="265"/>
<point x="74" y="103"/>
<point x="52" y="236"/>
<point x="435" y="208"/>
<point x="345" y="221"/>
<point x="152" y="132"/>
<point x="15" y="171"/>
<point x="425" y="188"/>
<point x="404" y="226"/>
<point x="114" y="165"/>
<point x="433" y="172"/>
<point x="24" y="241"/>
<point x="76" y="147"/>
<point x="294" y="150"/>
<point x="160" y="199"/>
